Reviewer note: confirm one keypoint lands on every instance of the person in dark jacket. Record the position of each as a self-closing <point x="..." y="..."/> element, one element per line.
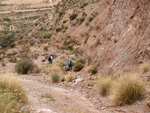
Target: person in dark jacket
<point x="50" y="59"/>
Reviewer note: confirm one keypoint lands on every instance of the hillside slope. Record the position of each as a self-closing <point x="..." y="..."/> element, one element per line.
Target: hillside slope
<point x="116" y="31"/>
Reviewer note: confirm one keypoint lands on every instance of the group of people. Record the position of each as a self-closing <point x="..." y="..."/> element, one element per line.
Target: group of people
<point x="50" y="59"/>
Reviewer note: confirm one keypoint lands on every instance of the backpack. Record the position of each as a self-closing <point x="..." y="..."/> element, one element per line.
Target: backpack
<point x="49" y="58"/>
<point x="69" y="63"/>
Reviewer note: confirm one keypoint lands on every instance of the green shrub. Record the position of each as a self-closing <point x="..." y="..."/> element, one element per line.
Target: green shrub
<point x="73" y="16"/>
<point x="64" y="21"/>
<point x="7" y="40"/>
<point x="24" y="66"/>
<point x="78" y="67"/>
<point x="63" y="28"/>
<point x="127" y="89"/>
<point x="58" y="29"/>
<point x="55" y="78"/>
<point x="25" y="48"/>
<point x="81" y="20"/>
<point x="103" y="85"/>
<point x="47" y="35"/>
<point x="61" y="14"/>
<point x="6" y="19"/>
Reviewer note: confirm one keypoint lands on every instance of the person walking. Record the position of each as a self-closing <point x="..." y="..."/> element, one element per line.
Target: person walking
<point x="50" y="59"/>
<point x="70" y="64"/>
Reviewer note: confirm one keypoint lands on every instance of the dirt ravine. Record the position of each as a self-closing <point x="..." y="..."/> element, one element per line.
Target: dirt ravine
<point x="65" y="100"/>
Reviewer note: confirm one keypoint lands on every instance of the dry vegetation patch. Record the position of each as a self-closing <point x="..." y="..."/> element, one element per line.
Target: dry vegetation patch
<point x="127" y="89"/>
<point x="104" y="84"/>
<point x="12" y="95"/>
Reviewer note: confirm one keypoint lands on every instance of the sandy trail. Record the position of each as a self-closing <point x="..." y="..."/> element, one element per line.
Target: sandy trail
<point x="66" y="101"/>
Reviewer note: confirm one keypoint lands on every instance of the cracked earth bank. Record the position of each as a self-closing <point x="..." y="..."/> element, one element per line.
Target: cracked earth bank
<point x="66" y="101"/>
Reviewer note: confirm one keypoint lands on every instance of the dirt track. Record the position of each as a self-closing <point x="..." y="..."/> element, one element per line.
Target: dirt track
<point x="28" y="10"/>
<point x="65" y="100"/>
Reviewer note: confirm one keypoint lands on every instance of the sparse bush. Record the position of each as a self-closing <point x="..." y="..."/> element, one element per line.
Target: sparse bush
<point x="25" y="48"/>
<point x="48" y="95"/>
<point x="78" y="67"/>
<point x="37" y="69"/>
<point x="73" y="16"/>
<point x="7" y="39"/>
<point x="91" y="18"/>
<point x="77" y="51"/>
<point x="127" y="89"/>
<point x="43" y="60"/>
<point x="93" y="70"/>
<point x="67" y="42"/>
<point x="46" y="35"/>
<point x="13" y="60"/>
<point x="64" y="21"/>
<point x="55" y="78"/>
<point x="52" y="70"/>
<point x="84" y="4"/>
<point x="24" y="66"/>
<point x="7" y="19"/>
<point x="45" y="48"/>
<point x="103" y="85"/>
<point x="115" y="40"/>
<point x="69" y="78"/>
<point x="62" y="64"/>
<point x="84" y="14"/>
<point x="35" y="55"/>
<point x="12" y="95"/>
<point x="58" y="29"/>
<point x="63" y="79"/>
<point x="63" y="28"/>
<point x="81" y="20"/>
<point x="3" y="64"/>
<point x="145" y="67"/>
<point x="81" y="60"/>
<point x="61" y="14"/>
<point x="86" y="39"/>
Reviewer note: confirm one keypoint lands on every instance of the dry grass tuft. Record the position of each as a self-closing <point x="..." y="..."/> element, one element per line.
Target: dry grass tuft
<point x="92" y="70"/>
<point x="52" y="69"/>
<point x="103" y="85"/>
<point x="145" y="67"/>
<point x="69" y="78"/>
<point x="48" y="95"/>
<point x="55" y="78"/>
<point x="127" y="89"/>
<point x="12" y="95"/>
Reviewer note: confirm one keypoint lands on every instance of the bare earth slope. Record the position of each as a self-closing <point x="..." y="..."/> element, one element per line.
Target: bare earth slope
<point x="117" y="36"/>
